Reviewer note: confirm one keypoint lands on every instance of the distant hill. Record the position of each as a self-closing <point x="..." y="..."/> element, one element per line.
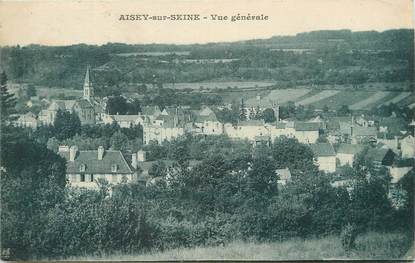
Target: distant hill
<point x="311" y="58"/>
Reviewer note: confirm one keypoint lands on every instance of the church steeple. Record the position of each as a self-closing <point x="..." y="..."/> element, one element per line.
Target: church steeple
<point x="88" y="89"/>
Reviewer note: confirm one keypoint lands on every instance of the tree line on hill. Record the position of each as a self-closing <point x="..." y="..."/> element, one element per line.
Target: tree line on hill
<point x="361" y="57"/>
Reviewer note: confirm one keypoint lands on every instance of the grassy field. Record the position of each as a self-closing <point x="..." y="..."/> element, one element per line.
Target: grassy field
<point x="334" y="99"/>
<point x="374" y="246"/>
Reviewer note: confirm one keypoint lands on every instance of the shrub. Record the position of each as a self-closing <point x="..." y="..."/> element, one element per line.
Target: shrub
<point x="348" y="236"/>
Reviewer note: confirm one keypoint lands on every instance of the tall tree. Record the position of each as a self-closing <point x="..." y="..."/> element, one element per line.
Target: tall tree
<point x="8" y="101"/>
<point x="268" y="115"/>
<point x="66" y="124"/>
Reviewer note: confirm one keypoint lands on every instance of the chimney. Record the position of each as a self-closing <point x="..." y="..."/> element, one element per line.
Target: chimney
<point x="100" y="152"/>
<point x="134" y="160"/>
<point x="141" y="156"/>
<point x="72" y="152"/>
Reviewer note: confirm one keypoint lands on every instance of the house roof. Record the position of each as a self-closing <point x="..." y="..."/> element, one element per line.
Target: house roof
<point x="364" y="131"/>
<point x="95" y="166"/>
<point x="323" y="149"/>
<point x="349" y="148"/>
<point x="203" y="118"/>
<point x="306" y="126"/>
<point x="84" y="104"/>
<point x="205" y="111"/>
<point x="408" y="162"/>
<point x="378" y="154"/>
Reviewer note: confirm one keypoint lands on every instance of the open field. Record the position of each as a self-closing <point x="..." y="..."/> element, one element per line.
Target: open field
<point x="279" y="96"/>
<point x="333" y="99"/>
<point x="319" y="96"/>
<point x="374" y="246"/>
<point x="220" y="85"/>
<point x="375" y="97"/>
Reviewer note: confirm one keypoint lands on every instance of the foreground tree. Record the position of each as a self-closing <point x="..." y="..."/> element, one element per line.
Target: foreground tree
<point x="66" y="124"/>
<point x="8" y="101"/>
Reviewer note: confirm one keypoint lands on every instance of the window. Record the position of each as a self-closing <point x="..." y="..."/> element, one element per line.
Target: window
<point x="82" y="168"/>
<point x="114" y="168"/>
<point x="82" y="177"/>
<point x="92" y="177"/>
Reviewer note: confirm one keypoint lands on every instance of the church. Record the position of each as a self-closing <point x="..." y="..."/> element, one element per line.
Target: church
<point x="87" y="108"/>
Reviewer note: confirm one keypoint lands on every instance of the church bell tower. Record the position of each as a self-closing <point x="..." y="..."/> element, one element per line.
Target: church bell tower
<point x="88" y="89"/>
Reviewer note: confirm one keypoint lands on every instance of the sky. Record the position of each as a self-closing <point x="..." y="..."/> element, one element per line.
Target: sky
<point x="66" y="22"/>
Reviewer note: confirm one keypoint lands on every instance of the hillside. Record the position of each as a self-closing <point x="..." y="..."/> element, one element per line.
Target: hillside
<point x="313" y="58"/>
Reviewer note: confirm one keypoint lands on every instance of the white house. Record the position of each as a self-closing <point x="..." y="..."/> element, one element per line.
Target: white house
<point x="408" y="147"/>
<point x="307" y="132"/>
<point x="246" y="129"/>
<point x="325" y="156"/>
<point x="347" y="152"/>
<point x="84" y="168"/>
<point x="208" y="124"/>
<point x="27" y="120"/>
<point x="124" y="121"/>
<point x="161" y="133"/>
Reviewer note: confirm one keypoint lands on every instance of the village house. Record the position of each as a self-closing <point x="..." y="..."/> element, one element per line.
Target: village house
<point x="124" y="121"/>
<point x="307" y="132"/>
<point x="407" y="146"/>
<point x="28" y="120"/>
<point x="363" y="134"/>
<point x="278" y="129"/>
<point x="205" y="122"/>
<point x="166" y="130"/>
<point x="381" y="157"/>
<point x="84" y="168"/>
<point x="400" y="168"/>
<point x="246" y="129"/>
<point x="150" y="112"/>
<point x="346" y="153"/>
<point x="325" y="157"/>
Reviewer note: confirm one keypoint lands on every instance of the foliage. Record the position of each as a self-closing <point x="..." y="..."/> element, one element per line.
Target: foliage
<point x="348" y="237"/>
<point x="8" y="102"/>
<point x="66" y="125"/>
<point x="268" y="115"/>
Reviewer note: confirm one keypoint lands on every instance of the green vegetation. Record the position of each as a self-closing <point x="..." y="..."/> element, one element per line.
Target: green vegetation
<point x="369" y="246"/>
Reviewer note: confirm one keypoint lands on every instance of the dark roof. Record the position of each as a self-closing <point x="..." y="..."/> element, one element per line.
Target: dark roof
<point x="322" y="149"/>
<point x="379" y="154"/>
<point x="409" y="162"/>
<point x="95" y="166"/>
<point x="349" y="148"/>
<point x="306" y="126"/>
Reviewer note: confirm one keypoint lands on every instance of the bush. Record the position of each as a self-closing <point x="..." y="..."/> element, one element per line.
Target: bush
<point x="348" y="236"/>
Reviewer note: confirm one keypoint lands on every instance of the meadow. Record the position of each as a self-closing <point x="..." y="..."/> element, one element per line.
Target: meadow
<point x="369" y="246"/>
<point x="333" y="99"/>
